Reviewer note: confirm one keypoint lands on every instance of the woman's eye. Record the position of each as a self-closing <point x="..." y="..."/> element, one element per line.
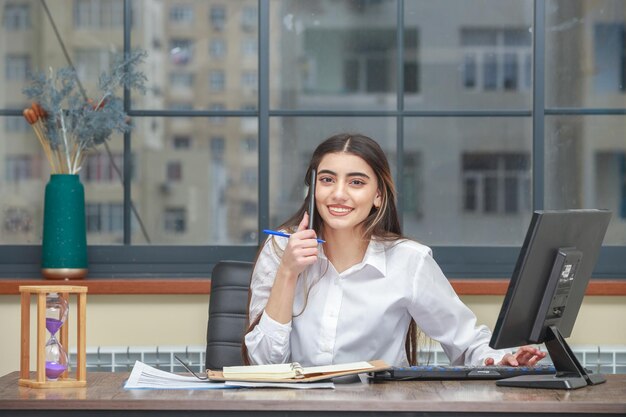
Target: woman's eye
<point x="358" y="182"/>
<point x="325" y="179"/>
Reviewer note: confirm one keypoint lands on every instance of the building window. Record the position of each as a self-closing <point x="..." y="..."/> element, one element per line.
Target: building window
<point x="180" y="106"/>
<point x="17" y="67"/>
<point x="249" y="145"/>
<point x="90" y="63"/>
<point x="249" y="80"/>
<point x="218" y="146"/>
<point x="496" y="183"/>
<point x="16" y="16"/>
<point x="610" y="57"/>
<point x="497" y="59"/>
<point x="19" y="168"/>
<point x="217" y="17"/>
<point x="217" y="81"/>
<point x="217" y="48"/>
<point x="181" y="14"/>
<point x="412" y="186"/>
<point x="182" y="80"/>
<point x="175" y="220"/>
<point x="181" y="142"/>
<point x="18" y="220"/>
<point x="16" y="124"/>
<point x="99" y="168"/>
<point x="249" y="47"/>
<point x="104" y="217"/>
<point x="216" y="107"/>
<point x="249" y="18"/>
<point x="98" y="14"/>
<point x="181" y="51"/>
<point x="174" y="171"/>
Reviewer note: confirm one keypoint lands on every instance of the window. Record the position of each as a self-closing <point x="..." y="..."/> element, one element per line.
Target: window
<point x="217" y="107"/>
<point x="218" y="145"/>
<point x="16" y="16"/>
<point x="181" y="14"/>
<point x="217" y="81"/>
<point x="459" y="137"/>
<point x="175" y="220"/>
<point x="98" y="14"/>
<point x="181" y="51"/>
<point x="217" y="48"/>
<point x="496" y="183"/>
<point x="98" y="168"/>
<point x="91" y="62"/>
<point x="249" y="47"/>
<point x="249" y="145"/>
<point x="249" y="80"/>
<point x="217" y="17"/>
<point x="496" y="59"/>
<point x="181" y="80"/>
<point x="104" y="217"/>
<point x="174" y="171"/>
<point x="17" y="220"/>
<point x="19" y="168"/>
<point x="249" y="18"/>
<point x="610" y="57"/>
<point x="17" y="67"/>
<point x="181" y="142"/>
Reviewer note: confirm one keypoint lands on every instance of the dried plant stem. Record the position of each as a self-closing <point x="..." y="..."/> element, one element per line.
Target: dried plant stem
<point x="38" y="128"/>
<point x="66" y="150"/>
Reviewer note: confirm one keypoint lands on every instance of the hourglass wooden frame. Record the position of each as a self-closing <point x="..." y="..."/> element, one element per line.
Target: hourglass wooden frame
<point x="81" y="367"/>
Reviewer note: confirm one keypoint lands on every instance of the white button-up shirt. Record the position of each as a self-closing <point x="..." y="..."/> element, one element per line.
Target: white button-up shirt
<point x="363" y="313"/>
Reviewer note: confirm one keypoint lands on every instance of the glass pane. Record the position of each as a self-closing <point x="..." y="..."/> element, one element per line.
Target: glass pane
<point x="471" y="180"/>
<point x="476" y="58"/>
<point x="29" y="46"/>
<point x="195" y="180"/>
<point x="586" y="167"/>
<point x="585" y="53"/>
<point x="334" y="55"/>
<point x="292" y="142"/>
<point x="200" y="54"/>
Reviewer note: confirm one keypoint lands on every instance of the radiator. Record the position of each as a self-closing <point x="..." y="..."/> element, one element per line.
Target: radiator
<point x="599" y="359"/>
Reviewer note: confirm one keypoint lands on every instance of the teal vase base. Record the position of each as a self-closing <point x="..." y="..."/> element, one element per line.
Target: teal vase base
<point x="64" y="273"/>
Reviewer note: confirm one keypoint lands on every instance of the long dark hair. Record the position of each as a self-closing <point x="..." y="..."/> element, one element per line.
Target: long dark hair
<point x="382" y="223"/>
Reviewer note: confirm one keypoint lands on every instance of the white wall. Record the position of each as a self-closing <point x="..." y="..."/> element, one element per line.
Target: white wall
<point x="180" y="320"/>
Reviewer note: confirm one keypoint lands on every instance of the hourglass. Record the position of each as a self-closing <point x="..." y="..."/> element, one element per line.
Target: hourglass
<point x="56" y="356"/>
<point x="52" y="319"/>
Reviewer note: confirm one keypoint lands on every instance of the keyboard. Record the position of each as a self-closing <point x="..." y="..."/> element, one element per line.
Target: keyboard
<point x="433" y="372"/>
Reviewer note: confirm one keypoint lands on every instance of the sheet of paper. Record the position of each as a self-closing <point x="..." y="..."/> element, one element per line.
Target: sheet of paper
<point x="146" y="377"/>
<point x="300" y="385"/>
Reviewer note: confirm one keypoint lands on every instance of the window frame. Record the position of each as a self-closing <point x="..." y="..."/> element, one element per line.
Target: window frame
<point x="135" y="261"/>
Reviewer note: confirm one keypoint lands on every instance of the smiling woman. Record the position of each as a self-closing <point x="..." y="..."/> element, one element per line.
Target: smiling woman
<point x="308" y="301"/>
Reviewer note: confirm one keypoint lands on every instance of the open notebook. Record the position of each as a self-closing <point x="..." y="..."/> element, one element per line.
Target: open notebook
<point x="293" y="372"/>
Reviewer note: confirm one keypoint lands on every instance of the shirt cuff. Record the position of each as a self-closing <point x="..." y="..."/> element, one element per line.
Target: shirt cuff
<point x="274" y="330"/>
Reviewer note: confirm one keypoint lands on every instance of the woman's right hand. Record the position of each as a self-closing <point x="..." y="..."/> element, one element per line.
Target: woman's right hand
<point x="301" y="250"/>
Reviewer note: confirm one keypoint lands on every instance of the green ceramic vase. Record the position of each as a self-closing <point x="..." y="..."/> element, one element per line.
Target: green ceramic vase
<point x="64" y="242"/>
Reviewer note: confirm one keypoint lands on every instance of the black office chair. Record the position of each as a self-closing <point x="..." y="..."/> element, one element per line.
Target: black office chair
<point x="228" y="314"/>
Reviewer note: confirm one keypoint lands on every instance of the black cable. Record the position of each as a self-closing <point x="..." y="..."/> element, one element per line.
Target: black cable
<point x="84" y="94"/>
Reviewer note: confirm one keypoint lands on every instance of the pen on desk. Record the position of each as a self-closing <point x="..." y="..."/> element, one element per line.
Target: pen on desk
<point x="281" y="234"/>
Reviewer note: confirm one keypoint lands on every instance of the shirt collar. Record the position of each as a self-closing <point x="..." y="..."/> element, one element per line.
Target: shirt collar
<point x="375" y="257"/>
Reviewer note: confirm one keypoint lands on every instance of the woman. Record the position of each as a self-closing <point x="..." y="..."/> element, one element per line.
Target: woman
<point x="353" y="297"/>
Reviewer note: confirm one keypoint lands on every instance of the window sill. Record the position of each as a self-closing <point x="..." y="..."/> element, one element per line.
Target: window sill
<point x="143" y="286"/>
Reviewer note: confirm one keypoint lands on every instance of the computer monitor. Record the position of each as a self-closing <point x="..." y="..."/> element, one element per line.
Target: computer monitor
<point x="546" y="291"/>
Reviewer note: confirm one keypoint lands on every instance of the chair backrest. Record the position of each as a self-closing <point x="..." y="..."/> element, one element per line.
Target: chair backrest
<point x="228" y="314"/>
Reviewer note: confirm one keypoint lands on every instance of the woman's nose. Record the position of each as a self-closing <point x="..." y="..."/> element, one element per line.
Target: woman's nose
<point x="339" y="192"/>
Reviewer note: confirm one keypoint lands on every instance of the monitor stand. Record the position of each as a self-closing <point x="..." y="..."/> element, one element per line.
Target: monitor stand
<point x="570" y="374"/>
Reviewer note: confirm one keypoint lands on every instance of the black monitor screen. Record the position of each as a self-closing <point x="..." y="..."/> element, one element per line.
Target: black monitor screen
<point x="546" y="291"/>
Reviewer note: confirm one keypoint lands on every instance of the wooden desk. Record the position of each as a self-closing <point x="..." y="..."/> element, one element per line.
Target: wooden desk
<point x="104" y="395"/>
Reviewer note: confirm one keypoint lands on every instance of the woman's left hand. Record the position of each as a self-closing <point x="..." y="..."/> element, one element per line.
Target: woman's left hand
<point x="525" y="356"/>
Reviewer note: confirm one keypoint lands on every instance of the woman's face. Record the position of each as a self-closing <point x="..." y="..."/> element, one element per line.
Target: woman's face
<point x="346" y="190"/>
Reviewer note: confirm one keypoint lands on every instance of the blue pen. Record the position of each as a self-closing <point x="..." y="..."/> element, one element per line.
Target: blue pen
<point x="281" y="234"/>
